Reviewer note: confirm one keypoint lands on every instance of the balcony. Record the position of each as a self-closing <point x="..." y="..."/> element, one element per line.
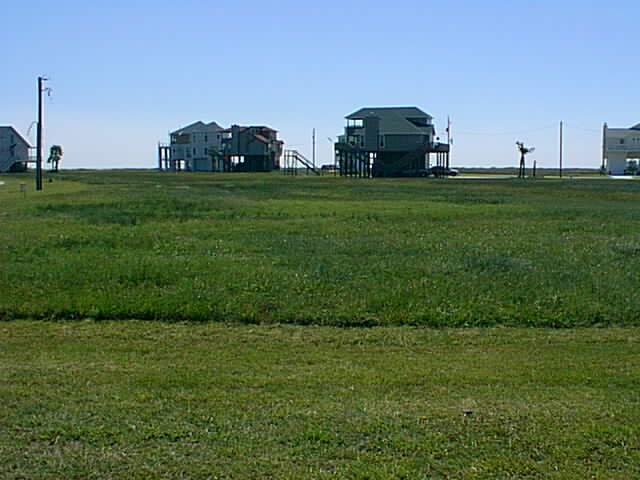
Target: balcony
<point x="351" y="131"/>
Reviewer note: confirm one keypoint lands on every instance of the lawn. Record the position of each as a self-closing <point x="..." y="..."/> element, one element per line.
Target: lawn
<point x="260" y="326"/>
<point x="81" y="400"/>
<point x="325" y="251"/>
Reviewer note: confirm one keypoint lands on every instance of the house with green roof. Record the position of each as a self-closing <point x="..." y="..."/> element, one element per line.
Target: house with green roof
<point x="388" y="142"/>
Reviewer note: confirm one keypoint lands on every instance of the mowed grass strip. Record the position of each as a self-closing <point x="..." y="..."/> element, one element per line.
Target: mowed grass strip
<point x="327" y="251"/>
<point x="159" y="400"/>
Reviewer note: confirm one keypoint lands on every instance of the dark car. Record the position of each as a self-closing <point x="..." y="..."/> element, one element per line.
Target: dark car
<point x="440" y="171"/>
<point x="414" y="173"/>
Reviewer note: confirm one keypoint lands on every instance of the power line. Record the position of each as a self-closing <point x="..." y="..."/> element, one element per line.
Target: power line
<point x="496" y="134"/>
<point x="584" y="129"/>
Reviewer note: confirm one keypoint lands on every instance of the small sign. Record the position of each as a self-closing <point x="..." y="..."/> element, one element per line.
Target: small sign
<point x="23" y="189"/>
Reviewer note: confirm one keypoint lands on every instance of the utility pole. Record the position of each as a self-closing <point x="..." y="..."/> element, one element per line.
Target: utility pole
<point x="603" y="167"/>
<point x="313" y="157"/>
<point x="561" y="145"/>
<point x="448" y="141"/>
<point x="41" y="81"/>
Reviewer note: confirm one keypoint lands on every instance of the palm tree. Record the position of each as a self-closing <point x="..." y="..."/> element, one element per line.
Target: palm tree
<point x="55" y="155"/>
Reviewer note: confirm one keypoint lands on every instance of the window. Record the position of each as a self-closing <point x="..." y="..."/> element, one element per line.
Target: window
<point x="206" y="138"/>
<point x="206" y="150"/>
<point x="194" y="151"/>
<point x="420" y="122"/>
<point x="622" y="141"/>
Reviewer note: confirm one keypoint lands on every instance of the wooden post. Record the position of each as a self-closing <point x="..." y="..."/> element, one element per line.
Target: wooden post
<point x="39" y="137"/>
<point x="561" y="145"/>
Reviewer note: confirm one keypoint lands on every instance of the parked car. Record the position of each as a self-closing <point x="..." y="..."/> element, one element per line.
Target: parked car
<point x="440" y="171"/>
<point x="414" y="173"/>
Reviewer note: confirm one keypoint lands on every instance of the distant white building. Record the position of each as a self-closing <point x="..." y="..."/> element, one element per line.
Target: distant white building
<point x="14" y="150"/>
<point x="620" y="145"/>
<point x="192" y="146"/>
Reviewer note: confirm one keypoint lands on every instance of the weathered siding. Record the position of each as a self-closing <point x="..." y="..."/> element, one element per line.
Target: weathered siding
<point x="404" y="142"/>
<point x="13" y="148"/>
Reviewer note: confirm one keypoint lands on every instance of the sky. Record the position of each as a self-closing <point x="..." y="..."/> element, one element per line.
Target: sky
<point x="124" y="73"/>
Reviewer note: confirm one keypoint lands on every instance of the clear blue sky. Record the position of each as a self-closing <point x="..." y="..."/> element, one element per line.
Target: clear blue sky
<point x="124" y="73"/>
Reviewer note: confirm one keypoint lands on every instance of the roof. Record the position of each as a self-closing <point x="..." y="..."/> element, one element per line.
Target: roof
<point x="262" y="139"/>
<point x="395" y="120"/>
<point x="635" y="128"/>
<point x="198" y="127"/>
<point x="256" y="127"/>
<point x="407" y="112"/>
<point x="17" y="134"/>
<point x="245" y="128"/>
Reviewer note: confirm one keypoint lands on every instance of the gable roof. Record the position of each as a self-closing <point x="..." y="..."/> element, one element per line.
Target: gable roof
<point x="395" y="120"/>
<point x="17" y="134"/>
<point x="198" y="127"/>
<point x="407" y="112"/>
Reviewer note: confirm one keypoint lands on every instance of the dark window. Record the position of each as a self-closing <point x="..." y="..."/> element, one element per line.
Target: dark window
<point x="419" y="122"/>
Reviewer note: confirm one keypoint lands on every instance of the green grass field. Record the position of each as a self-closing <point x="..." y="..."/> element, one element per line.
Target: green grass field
<point x="169" y="400"/>
<point x="326" y="251"/>
<point x="258" y="326"/>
